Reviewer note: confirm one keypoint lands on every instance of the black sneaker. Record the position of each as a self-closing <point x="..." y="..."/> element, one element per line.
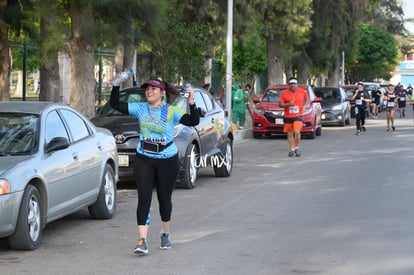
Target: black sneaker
<point x="297" y="152"/>
<point x="142" y="247"/>
<point x="291" y="153"/>
<point x="165" y="241"/>
<point x="393" y="128"/>
<point x="363" y="128"/>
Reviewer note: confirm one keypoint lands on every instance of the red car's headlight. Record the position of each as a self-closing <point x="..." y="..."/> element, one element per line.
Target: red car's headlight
<point x="259" y="111"/>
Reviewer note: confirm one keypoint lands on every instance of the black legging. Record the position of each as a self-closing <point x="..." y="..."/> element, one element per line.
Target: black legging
<point x="161" y="172"/>
<point x="360" y="117"/>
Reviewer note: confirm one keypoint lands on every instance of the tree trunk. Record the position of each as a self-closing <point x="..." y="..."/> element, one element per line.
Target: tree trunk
<point x="81" y="47"/>
<point x="5" y="66"/>
<point x="289" y="68"/>
<point x="49" y="71"/>
<point x="274" y="61"/>
<point x="302" y="71"/>
<point x="334" y="73"/>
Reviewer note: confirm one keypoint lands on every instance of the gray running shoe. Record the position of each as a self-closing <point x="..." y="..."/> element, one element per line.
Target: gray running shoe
<point x="291" y="153"/>
<point x="165" y="241"/>
<point x="297" y="152"/>
<point x="142" y="247"/>
<point x="358" y="132"/>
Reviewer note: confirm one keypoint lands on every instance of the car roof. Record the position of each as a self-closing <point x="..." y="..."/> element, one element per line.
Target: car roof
<point x="30" y="107"/>
<point x="326" y="88"/>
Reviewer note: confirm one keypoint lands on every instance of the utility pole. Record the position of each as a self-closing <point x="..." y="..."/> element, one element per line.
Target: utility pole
<point x="229" y="56"/>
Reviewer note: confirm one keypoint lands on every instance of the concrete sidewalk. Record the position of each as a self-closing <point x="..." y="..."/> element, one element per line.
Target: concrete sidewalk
<point x="247" y="132"/>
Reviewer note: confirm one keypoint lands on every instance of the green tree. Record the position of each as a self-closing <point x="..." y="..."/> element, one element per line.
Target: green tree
<point x="332" y="35"/>
<point x="179" y="51"/>
<point x="285" y="24"/>
<point x="249" y="56"/>
<point x="377" y="55"/>
<point x="16" y="22"/>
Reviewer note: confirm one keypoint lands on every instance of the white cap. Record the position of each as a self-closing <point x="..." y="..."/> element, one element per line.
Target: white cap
<point x="293" y="80"/>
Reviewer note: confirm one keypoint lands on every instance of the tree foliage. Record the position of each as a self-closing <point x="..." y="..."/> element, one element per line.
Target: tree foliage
<point x="283" y="37"/>
<point x="377" y="55"/>
<point x="178" y="51"/>
<point x="249" y="56"/>
<point x="285" y="24"/>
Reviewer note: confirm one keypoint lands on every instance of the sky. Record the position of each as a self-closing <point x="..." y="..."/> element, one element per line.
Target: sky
<point x="408" y="7"/>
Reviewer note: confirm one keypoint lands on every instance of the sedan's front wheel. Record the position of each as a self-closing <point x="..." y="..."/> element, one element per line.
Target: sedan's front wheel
<point x="28" y="233"/>
<point x="191" y="166"/>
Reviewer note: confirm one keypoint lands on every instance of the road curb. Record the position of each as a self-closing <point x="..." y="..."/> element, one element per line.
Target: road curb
<point x="243" y="134"/>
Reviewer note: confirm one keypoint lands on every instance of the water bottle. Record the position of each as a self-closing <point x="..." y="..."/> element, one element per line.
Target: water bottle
<point x="124" y="76"/>
<point x="184" y="91"/>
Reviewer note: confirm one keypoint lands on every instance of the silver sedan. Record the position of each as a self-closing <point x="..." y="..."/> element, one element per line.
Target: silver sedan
<point x="53" y="162"/>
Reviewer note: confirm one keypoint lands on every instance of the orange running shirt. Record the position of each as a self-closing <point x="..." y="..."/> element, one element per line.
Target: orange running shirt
<point x="300" y="97"/>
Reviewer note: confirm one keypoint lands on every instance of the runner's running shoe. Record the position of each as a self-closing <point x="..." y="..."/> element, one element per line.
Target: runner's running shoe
<point x="142" y="247"/>
<point x="165" y="241"/>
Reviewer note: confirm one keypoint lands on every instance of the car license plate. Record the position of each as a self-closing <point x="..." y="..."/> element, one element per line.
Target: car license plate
<point x="123" y="160"/>
<point x="279" y="121"/>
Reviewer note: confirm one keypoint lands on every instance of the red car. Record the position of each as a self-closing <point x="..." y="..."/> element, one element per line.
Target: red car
<point x="268" y="115"/>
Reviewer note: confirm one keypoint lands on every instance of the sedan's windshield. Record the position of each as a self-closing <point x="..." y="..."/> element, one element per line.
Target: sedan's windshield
<point x="18" y="133"/>
<point x="272" y="95"/>
<point x="329" y="95"/>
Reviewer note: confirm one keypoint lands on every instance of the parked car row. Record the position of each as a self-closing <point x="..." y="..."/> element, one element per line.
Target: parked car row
<point x="54" y="161"/>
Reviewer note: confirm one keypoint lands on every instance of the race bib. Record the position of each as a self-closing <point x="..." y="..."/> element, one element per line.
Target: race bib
<point x="402" y="98"/>
<point x="293" y="109"/>
<point x="390" y="104"/>
<point x="358" y="102"/>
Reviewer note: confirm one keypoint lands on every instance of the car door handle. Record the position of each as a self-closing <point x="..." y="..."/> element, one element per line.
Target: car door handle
<point x="212" y="120"/>
<point x="75" y="156"/>
<point x="99" y="146"/>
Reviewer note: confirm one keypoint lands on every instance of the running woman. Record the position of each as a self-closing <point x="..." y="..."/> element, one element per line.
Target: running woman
<point x="390" y="99"/>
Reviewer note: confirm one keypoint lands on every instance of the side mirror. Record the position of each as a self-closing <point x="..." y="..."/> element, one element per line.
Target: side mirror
<point x="317" y="99"/>
<point x="256" y="99"/>
<point x="57" y="143"/>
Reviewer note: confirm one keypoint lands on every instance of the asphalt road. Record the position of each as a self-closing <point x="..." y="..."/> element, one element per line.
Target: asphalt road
<point x="344" y="207"/>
